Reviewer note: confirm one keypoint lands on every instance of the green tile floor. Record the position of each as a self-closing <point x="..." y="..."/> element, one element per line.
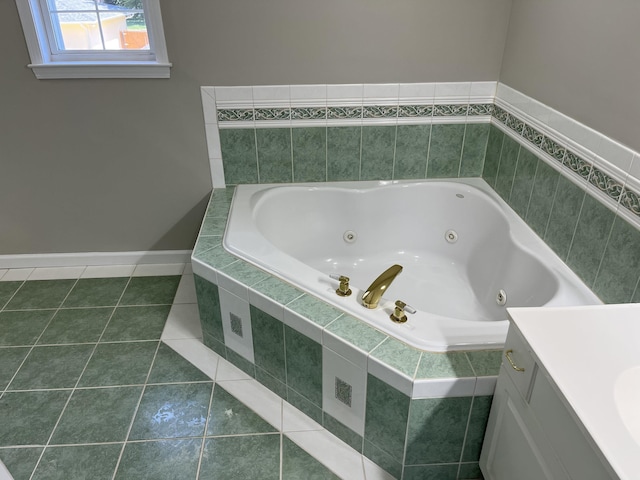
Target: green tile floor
<point x="91" y="389"/>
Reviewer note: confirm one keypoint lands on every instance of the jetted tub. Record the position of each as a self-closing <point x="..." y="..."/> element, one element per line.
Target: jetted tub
<point x="463" y="250"/>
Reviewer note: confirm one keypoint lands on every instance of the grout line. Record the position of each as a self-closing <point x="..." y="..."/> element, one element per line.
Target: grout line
<point x="604" y="250"/>
<point x="204" y="433"/>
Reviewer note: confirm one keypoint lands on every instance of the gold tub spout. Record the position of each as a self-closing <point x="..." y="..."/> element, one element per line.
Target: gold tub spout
<point x="375" y="291"/>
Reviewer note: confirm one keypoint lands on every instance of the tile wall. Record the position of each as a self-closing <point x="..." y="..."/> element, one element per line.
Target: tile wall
<point x="583" y="206"/>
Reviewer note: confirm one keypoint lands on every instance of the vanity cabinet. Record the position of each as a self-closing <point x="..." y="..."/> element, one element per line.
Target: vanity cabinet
<point x="532" y="433"/>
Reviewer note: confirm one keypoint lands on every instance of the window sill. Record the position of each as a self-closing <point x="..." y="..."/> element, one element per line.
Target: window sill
<point x="46" y="71"/>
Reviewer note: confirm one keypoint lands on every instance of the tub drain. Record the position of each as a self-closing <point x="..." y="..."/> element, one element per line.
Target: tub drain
<point x="501" y="297"/>
<point x="350" y="236"/>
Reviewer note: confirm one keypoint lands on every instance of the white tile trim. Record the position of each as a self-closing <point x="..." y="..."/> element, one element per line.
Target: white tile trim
<point x="95" y="258"/>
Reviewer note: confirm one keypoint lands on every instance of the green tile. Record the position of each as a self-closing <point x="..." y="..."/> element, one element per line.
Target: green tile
<point x="492" y="156"/>
<point x="268" y="343"/>
<point x="160" y="460"/>
<point x="445" y="150"/>
<point x="136" y="323"/>
<point x="382" y="459"/>
<point x="469" y="471"/>
<point x="119" y="364"/>
<point x="386" y="420"/>
<point x="208" y="297"/>
<point x="620" y="268"/>
<point x="398" y="355"/>
<point x="40" y="294"/>
<point x="436" y="430"/>
<point x="544" y="190"/>
<point x="96" y="292"/>
<point x="309" y="154"/>
<point x="52" y="367"/>
<point x="171" y="411"/>
<point x="274" y="155"/>
<point x="20" y="461"/>
<point x="343" y="432"/>
<point x="214" y="345"/>
<point x="297" y="464"/>
<point x="213" y="226"/>
<point x="278" y="290"/>
<point x="507" y="167"/>
<point x="523" y="182"/>
<point x="315" y="310"/>
<point x="444" y="365"/>
<point x="474" y="149"/>
<point x="271" y="382"/>
<point x="432" y="472"/>
<point x="356" y="332"/>
<point x="10" y="359"/>
<point x="77" y="325"/>
<point x="229" y="416"/>
<point x="206" y="243"/>
<point x="485" y="362"/>
<point x="217" y="257"/>
<point x="151" y="290"/>
<point x="477" y="426"/>
<point x="377" y="153"/>
<point x="303" y="404"/>
<point x="238" y="147"/>
<point x="97" y="415"/>
<point x="7" y="289"/>
<point x="245" y="273"/>
<point x="245" y="456"/>
<point x="23" y="328"/>
<point x="343" y="153"/>
<point x="97" y="462"/>
<point x="304" y="365"/>
<point x="27" y="418"/>
<point x="242" y="363"/>
<point x="590" y="239"/>
<point x="564" y="216"/>
<point x="412" y="146"/>
<point x="170" y="367"/>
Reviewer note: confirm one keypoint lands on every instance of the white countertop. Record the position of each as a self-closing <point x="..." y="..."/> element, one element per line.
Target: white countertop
<point x="593" y="355"/>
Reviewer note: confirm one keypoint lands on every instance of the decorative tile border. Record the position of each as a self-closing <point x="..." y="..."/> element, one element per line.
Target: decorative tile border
<point x="593" y="175"/>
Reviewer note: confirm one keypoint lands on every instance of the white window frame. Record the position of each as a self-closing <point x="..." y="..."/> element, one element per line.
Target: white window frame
<point x="46" y="63"/>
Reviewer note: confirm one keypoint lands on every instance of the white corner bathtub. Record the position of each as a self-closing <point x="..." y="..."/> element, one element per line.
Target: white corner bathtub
<point x="304" y="232"/>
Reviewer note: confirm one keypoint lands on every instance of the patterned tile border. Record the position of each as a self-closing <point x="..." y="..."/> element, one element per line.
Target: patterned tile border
<point x="230" y="115"/>
<point x="590" y="173"/>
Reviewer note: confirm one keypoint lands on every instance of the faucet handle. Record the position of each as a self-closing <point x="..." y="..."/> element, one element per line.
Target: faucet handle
<point x="343" y="290"/>
<point x="398" y="315"/>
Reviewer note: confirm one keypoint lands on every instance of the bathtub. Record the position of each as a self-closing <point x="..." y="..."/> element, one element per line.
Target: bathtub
<point x="466" y="255"/>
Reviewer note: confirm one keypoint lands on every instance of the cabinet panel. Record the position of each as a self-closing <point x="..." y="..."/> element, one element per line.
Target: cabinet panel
<point x="514" y="446"/>
<point x="578" y="457"/>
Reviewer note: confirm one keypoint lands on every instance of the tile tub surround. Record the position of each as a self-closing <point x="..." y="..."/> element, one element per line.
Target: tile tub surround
<point x="336" y="369"/>
<point x="137" y="409"/>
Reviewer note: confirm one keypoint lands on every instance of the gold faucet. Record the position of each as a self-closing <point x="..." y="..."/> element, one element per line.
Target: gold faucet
<point x="375" y="291"/>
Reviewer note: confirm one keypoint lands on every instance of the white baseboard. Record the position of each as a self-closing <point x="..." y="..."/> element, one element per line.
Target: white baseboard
<point x="95" y="259"/>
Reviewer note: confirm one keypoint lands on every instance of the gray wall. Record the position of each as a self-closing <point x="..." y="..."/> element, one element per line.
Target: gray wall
<point x="581" y="57"/>
<point x="121" y="165"/>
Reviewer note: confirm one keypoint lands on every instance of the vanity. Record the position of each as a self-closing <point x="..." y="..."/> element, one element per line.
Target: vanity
<point x="567" y="399"/>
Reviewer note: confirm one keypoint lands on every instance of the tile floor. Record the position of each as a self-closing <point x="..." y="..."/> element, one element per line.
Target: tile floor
<point x="92" y="386"/>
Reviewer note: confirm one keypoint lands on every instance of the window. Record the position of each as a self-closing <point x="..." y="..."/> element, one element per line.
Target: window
<point x="94" y="38"/>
